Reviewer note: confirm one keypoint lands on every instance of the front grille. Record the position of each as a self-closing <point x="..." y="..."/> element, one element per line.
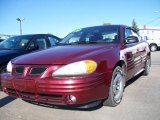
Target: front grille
<point x="44" y="98"/>
<point x="27" y="95"/>
<point x="37" y="70"/>
<point x="50" y="98"/>
<point x="32" y="70"/>
<point x="19" y="69"/>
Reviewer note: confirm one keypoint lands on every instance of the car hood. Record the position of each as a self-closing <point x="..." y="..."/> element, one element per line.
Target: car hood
<point x="62" y="54"/>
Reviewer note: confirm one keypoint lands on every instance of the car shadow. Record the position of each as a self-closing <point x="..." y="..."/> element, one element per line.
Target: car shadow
<point x="6" y="100"/>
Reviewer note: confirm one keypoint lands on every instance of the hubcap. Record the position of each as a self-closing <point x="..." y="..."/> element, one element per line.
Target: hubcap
<point x="118" y="87"/>
<point x="153" y="48"/>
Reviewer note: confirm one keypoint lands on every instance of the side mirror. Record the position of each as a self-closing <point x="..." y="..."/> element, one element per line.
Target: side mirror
<point x="132" y="39"/>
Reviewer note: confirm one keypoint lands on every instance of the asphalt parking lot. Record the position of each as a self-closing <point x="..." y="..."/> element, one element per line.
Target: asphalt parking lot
<point x="140" y="102"/>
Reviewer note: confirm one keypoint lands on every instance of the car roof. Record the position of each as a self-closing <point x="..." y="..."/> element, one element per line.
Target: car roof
<point x="106" y="26"/>
<point x="31" y="35"/>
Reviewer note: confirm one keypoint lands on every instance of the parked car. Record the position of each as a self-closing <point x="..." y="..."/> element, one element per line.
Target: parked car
<point x="19" y="45"/>
<point x="90" y="66"/>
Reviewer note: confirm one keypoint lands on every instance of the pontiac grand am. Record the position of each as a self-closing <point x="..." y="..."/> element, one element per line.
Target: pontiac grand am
<point x="89" y="66"/>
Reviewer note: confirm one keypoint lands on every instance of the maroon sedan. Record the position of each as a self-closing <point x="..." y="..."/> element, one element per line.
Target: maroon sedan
<point x="91" y="65"/>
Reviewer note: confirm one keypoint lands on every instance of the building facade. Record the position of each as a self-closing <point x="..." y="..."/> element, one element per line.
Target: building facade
<point x="149" y="32"/>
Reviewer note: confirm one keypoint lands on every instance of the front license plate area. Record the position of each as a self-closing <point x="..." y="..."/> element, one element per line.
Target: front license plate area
<point x="24" y="85"/>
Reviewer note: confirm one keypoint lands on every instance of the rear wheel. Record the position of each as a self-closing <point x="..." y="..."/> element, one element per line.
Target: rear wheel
<point x="153" y="47"/>
<point x="116" y="88"/>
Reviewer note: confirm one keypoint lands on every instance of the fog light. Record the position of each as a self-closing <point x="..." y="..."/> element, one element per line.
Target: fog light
<point x="72" y="98"/>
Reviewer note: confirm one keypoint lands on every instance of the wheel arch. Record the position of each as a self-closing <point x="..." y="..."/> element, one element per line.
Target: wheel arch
<point x="121" y="63"/>
<point x="153" y="44"/>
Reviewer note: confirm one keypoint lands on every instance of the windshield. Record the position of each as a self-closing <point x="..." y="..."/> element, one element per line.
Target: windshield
<point x="92" y="35"/>
<point x="17" y="42"/>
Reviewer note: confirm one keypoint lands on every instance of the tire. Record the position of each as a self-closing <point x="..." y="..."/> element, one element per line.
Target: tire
<point x="147" y="67"/>
<point x="116" y="88"/>
<point x="153" y="47"/>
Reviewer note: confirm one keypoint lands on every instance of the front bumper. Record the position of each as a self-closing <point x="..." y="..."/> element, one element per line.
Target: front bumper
<point x="56" y="91"/>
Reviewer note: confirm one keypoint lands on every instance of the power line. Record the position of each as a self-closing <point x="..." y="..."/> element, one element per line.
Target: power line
<point x="153" y="20"/>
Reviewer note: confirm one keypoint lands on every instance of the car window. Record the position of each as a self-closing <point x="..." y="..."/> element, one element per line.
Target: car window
<point x="130" y="32"/>
<point x="53" y="41"/>
<point x="9" y="43"/>
<point x="93" y="35"/>
<point x="39" y="43"/>
<point x="18" y="42"/>
<point x="136" y="34"/>
<point x="23" y="43"/>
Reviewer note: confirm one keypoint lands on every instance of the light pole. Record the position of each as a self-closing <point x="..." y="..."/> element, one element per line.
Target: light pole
<point x="20" y="22"/>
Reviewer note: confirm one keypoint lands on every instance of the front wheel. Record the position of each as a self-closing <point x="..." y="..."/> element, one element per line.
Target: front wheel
<point x="116" y="88"/>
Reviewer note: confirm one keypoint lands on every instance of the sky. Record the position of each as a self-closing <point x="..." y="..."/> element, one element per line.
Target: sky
<point x="60" y="17"/>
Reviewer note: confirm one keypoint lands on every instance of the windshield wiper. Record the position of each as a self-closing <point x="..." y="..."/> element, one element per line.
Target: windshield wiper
<point x="72" y="43"/>
<point x="83" y="42"/>
<point x="79" y="42"/>
<point x="96" y="42"/>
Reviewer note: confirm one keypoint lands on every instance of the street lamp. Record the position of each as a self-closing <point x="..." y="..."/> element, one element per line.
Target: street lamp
<point x="20" y="22"/>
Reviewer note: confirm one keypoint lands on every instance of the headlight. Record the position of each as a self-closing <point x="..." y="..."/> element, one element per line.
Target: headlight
<point x="9" y="67"/>
<point x="77" y="68"/>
